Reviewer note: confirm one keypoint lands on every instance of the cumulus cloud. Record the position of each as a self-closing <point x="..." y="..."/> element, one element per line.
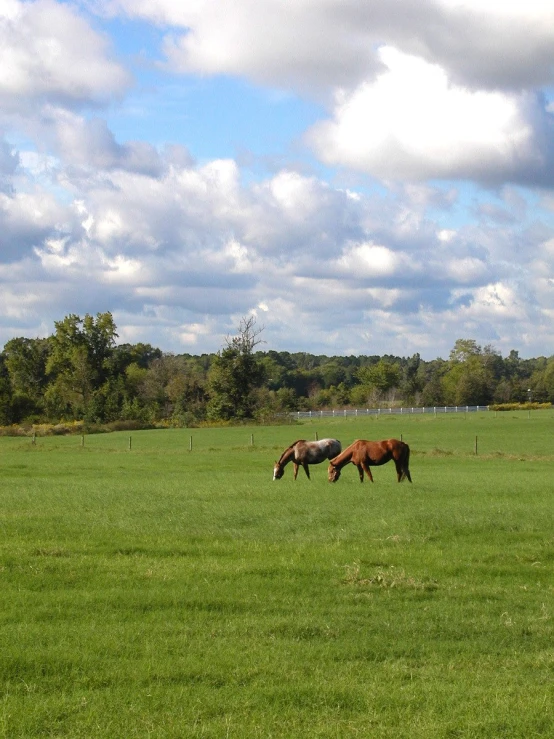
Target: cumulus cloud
<point x="412" y="123"/>
<point x="433" y="89"/>
<point x="314" y="44"/>
<point x="89" y="144"/>
<point x="179" y="251"/>
<point x="193" y="247"/>
<point x="9" y="161"/>
<point x="49" y="53"/>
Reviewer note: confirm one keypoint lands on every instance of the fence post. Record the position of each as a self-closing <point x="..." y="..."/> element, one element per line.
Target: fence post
<point x="476" y="445"/>
<point x="190" y="444"/>
<point x="129" y="443"/>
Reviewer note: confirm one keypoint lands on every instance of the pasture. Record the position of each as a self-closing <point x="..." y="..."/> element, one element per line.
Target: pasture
<point x="161" y="592"/>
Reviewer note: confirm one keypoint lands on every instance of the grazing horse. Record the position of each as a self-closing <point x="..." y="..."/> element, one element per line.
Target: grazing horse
<point x="302" y="453"/>
<point x="364" y="454"/>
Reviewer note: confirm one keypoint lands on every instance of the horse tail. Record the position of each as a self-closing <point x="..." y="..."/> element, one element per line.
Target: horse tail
<point x="405" y="462"/>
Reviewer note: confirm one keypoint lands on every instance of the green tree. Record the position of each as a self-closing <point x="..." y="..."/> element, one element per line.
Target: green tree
<point x="5" y="394"/>
<point x="463" y="349"/>
<point x="235" y="374"/>
<point x="78" y="363"/>
<point x="411" y="384"/>
<point x="25" y="361"/>
<point x="472" y="374"/>
<point x="383" y="376"/>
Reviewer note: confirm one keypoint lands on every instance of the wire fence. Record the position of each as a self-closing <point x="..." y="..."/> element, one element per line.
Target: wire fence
<point x="343" y="413"/>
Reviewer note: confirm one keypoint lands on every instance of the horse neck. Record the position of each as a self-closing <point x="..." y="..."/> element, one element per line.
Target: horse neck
<point x="343" y="459"/>
<point x="286" y="456"/>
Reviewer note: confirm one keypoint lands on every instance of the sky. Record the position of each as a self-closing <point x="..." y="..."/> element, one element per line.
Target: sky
<point x="364" y="178"/>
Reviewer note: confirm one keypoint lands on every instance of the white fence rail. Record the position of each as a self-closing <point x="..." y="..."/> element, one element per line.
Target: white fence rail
<point x="389" y="411"/>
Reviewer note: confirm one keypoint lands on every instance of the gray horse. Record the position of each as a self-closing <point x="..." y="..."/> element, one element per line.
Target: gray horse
<point x="302" y="453"/>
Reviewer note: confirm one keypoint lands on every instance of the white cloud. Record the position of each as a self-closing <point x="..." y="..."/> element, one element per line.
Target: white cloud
<point x="466" y="270"/>
<point x="412" y="123"/>
<point x="493" y="302"/>
<point x="180" y="251"/>
<point x="192" y="247"/>
<point x="315" y="45"/>
<point x="49" y="53"/>
<point x="89" y="144"/>
<point x="369" y="260"/>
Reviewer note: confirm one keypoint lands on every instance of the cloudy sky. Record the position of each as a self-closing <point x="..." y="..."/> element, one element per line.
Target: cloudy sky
<point x="365" y="177"/>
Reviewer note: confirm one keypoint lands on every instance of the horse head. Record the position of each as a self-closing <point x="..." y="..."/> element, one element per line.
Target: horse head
<point x="333" y="473"/>
<point x="278" y="471"/>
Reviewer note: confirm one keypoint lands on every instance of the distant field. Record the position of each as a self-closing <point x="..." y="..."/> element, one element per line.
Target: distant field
<point x="161" y="592"/>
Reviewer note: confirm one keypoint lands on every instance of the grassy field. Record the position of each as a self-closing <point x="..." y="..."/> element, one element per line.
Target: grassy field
<point x="162" y="592"/>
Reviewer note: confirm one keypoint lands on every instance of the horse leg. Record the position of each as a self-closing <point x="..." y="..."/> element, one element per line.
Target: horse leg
<point x="306" y="470"/>
<point x="360" y="472"/>
<point x="406" y="464"/>
<point x="367" y="470"/>
<point x="402" y="471"/>
<point x="399" y="471"/>
<point x="295" y="470"/>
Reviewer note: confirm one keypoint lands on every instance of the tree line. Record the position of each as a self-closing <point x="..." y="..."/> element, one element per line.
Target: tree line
<point x="80" y="372"/>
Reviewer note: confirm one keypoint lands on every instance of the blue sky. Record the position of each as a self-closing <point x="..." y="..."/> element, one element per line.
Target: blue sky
<point x="360" y="177"/>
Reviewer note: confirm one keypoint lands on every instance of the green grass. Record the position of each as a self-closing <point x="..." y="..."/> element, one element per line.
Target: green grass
<point x="159" y="592"/>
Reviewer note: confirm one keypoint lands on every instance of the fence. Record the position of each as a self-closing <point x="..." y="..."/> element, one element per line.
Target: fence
<point x="389" y="411"/>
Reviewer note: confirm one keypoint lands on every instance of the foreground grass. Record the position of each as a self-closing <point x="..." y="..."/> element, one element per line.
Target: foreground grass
<point x="157" y="592"/>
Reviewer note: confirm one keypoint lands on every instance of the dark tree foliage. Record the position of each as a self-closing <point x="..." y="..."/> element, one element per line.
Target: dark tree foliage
<point x="80" y="373"/>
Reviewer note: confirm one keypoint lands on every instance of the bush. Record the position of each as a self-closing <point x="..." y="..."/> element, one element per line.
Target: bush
<point x="520" y="406"/>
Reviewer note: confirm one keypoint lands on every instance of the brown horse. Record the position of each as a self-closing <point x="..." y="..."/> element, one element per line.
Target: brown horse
<point x="365" y="454"/>
<point x="302" y="453"/>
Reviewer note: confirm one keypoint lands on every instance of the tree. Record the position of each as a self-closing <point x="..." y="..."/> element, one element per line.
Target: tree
<point x="383" y="376"/>
<point x="463" y="349"/>
<point x="235" y="374"/>
<point x="25" y="360"/>
<point x="410" y="380"/>
<point x="25" y="364"/>
<point x="5" y="394"/>
<point x="78" y="363"/>
<point x="472" y="374"/>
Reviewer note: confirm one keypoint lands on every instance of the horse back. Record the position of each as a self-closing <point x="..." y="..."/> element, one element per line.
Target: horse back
<point x="332" y="447"/>
<point x="380" y="452"/>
